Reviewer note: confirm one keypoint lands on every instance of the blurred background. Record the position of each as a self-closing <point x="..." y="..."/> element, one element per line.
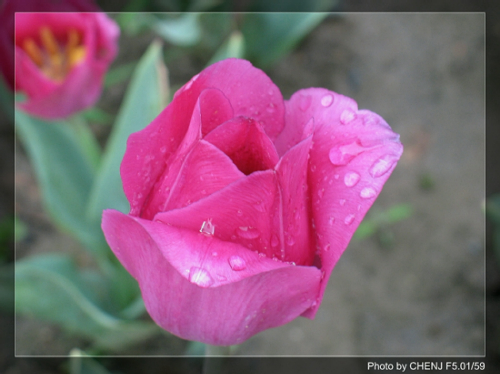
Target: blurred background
<point x="412" y="281"/>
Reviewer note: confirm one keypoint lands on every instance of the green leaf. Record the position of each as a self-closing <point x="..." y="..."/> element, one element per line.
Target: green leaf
<point x="183" y="30"/>
<point x="234" y="46"/>
<point x="65" y="172"/>
<point x="144" y="99"/>
<point x="293" y="5"/>
<point x="119" y="74"/>
<point x="81" y="363"/>
<point x="269" y="36"/>
<point x="51" y="288"/>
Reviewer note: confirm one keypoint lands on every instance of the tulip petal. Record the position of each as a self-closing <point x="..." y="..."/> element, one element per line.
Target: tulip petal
<point x="249" y="90"/>
<point x="354" y="153"/>
<point x="241" y="212"/>
<point x="199" y="304"/>
<point x="167" y="140"/>
<point x="203" y="171"/>
<point x="244" y="141"/>
<point x="292" y="218"/>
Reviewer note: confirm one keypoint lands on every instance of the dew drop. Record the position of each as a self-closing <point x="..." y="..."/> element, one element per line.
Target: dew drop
<point x="163" y="149"/>
<point x="247" y="232"/>
<point x="200" y="277"/>
<point x="351" y="178"/>
<point x="237" y="263"/>
<point x="260" y="206"/>
<point x="207" y="227"/>
<point x="239" y="213"/>
<point x="342" y="202"/>
<point x="336" y="176"/>
<point x="321" y="193"/>
<point x="327" y="100"/>
<point x="290" y="240"/>
<point x="349" y="219"/>
<point x="326" y="247"/>
<point x="215" y="254"/>
<point x="274" y="241"/>
<point x="344" y="153"/>
<point x="382" y="165"/>
<point x="331" y="221"/>
<point x="367" y="193"/>
<point x="347" y="116"/>
<point x="305" y="103"/>
<point x="271" y="108"/>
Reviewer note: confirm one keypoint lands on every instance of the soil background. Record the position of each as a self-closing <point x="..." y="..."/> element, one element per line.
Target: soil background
<point x="418" y="287"/>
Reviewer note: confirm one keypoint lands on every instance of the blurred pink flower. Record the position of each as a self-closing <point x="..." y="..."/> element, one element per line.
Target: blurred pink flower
<point x="242" y="203"/>
<point x="61" y="58"/>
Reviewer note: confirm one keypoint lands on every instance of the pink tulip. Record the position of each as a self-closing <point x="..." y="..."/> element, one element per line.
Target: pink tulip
<point x="60" y="58"/>
<point x="242" y="203"/>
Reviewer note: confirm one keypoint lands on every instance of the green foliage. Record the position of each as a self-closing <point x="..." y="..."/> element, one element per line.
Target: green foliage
<point x="51" y="287"/>
<point x="233" y="47"/>
<point x="81" y="363"/>
<point x="62" y="156"/>
<point x="146" y="96"/>
<point x="269" y="36"/>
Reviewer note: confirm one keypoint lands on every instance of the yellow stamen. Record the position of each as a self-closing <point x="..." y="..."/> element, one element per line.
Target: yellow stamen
<point x="76" y="55"/>
<point x="73" y="40"/>
<point x="49" y="41"/>
<point x="74" y="52"/>
<point x="33" y="51"/>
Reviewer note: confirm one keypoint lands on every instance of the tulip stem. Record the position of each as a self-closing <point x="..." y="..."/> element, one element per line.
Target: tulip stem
<point x="214" y="357"/>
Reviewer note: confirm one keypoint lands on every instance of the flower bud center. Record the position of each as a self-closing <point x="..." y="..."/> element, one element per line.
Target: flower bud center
<point x="55" y="56"/>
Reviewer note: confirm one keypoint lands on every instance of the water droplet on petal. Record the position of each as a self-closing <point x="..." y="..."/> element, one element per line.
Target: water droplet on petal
<point x="321" y="193"/>
<point x="351" y="178"/>
<point x="382" y="165"/>
<point x="274" y="241"/>
<point x="247" y="232"/>
<point x="215" y="254"/>
<point x="163" y="149"/>
<point x="200" y="277"/>
<point x="271" y="108"/>
<point x="239" y="213"/>
<point x="347" y="116"/>
<point x="331" y="220"/>
<point x="260" y="206"/>
<point x="326" y="247"/>
<point x="305" y="102"/>
<point x="327" y="100"/>
<point x="367" y="193"/>
<point x="237" y="263"/>
<point x="290" y="240"/>
<point x="207" y="227"/>
<point x="342" y="202"/>
<point x="349" y="219"/>
<point x="342" y="154"/>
